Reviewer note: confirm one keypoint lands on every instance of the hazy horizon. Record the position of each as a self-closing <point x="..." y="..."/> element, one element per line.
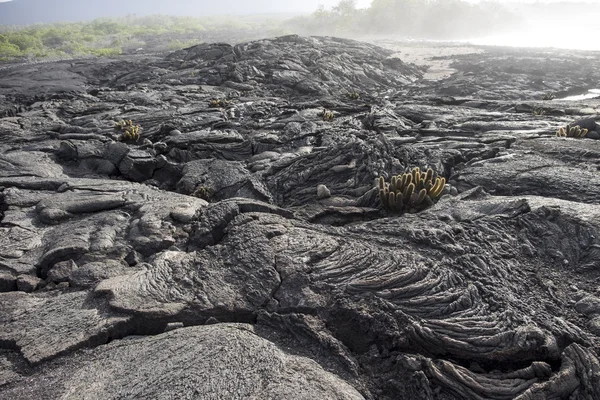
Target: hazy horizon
<point x="27" y="12"/>
<point x="546" y="23"/>
<point x="45" y="10"/>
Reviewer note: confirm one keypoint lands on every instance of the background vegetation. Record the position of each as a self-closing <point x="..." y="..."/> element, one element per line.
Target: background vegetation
<point x="108" y="37"/>
<point x="428" y="19"/>
<point x="424" y="19"/>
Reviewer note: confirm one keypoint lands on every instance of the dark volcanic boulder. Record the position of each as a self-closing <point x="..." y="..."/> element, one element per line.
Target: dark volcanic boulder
<point x="3" y="205"/>
<point x="587" y="123"/>
<point x="8" y="282"/>
<point x="220" y="179"/>
<point x="312" y="66"/>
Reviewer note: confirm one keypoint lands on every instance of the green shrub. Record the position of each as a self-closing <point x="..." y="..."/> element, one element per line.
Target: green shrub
<point x="26" y="41"/>
<point x="106" y="52"/>
<point x="8" y="50"/>
<point x="109" y="37"/>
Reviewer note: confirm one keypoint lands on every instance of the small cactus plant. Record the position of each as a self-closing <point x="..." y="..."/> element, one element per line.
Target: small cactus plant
<point x="573" y="131"/>
<point x="538" y="112"/>
<point x="204" y="193"/>
<point x="412" y="191"/>
<point x="327" y="115"/>
<point x="354" y="95"/>
<point x="219" y="103"/>
<point x="549" y="96"/>
<point x="131" y="132"/>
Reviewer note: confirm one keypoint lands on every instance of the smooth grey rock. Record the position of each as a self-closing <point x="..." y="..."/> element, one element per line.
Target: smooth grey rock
<point x="100" y="166"/>
<point x="594" y="325"/>
<point x="586" y="123"/>
<point x="323" y="192"/>
<point x="62" y="285"/>
<point x="183" y="214"/>
<point x="61" y="271"/>
<point x="589" y="306"/>
<point x="55" y="209"/>
<point x="92" y="273"/>
<point x="28" y="283"/>
<point x="67" y="151"/>
<point x="48" y="286"/>
<point x="168" y="175"/>
<point x="138" y="168"/>
<point x="115" y="152"/>
<point x="593" y="135"/>
<point x="174" y="325"/>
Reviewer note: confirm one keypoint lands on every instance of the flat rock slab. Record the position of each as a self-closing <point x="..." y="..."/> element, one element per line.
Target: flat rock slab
<point x="206" y="362"/>
<point x="42" y="327"/>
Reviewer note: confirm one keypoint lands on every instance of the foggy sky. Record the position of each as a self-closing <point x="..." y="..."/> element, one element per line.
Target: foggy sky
<point x="22" y="12"/>
<point x="25" y="12"/>
<point x="365" y="3"/>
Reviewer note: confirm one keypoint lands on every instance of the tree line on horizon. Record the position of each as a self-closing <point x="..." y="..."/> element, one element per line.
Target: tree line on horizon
<point x="424" y="19"/>
<point x="420" y="19"/>
<point x="114" y="36"/>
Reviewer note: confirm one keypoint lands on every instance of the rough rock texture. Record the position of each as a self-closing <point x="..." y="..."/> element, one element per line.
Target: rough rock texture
<point x="239" y="250"/>
<point x="206" y="362"/>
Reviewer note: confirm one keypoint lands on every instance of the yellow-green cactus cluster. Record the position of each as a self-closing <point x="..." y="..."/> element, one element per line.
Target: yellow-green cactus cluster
<point x="130" y="131"/>
<point x="327" y="115"/>
<point x="354" y="95"/>
<point x="412" y="191"/>
<point x="573" y="131"/>
<point x="538" y="112"/>
<point x="549" y="96"/>
<point x="219" y="103"/>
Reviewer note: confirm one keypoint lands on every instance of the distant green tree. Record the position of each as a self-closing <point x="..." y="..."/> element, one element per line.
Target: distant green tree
<point x="345" y="8"/>
<point x="107" y="37"/>
<point x="344" y="16"/>
<point x="8" y="49"/>
<point x="420" y="18"/>
<point x="53" y="38"/>
<point x="26" y="41"/>
<point x="398" y="16"/>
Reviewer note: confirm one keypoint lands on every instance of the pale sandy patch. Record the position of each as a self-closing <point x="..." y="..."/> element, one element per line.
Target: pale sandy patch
<point x="426" y="53"/>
